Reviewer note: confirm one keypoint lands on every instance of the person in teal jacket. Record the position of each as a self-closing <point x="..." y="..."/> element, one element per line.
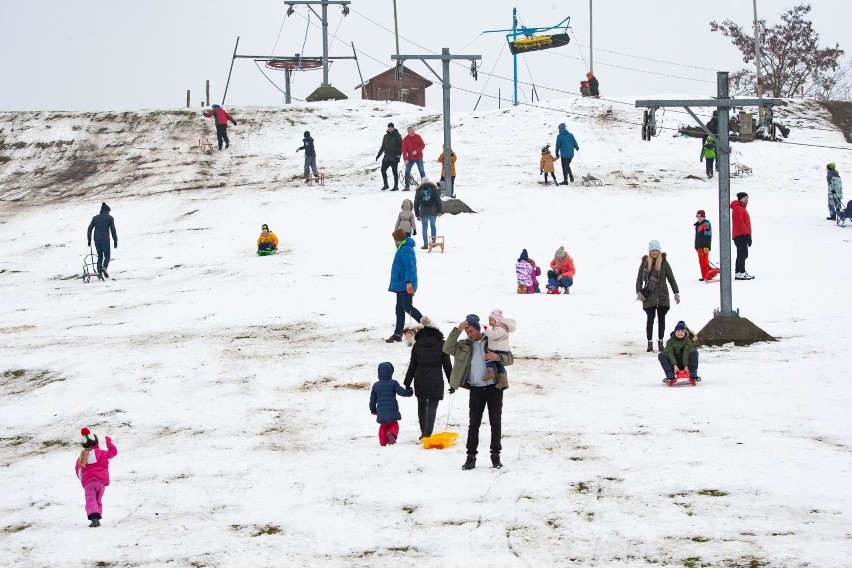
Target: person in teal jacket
<point x="403" y="282"/>
<point x="708" y="155"/>
<point x="565" y="146"/>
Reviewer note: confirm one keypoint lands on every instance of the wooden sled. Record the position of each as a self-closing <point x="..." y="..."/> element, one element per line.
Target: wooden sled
<point x="436" y="242"/>
<point x="316" y="179"/>
<point x="204" y="145"/>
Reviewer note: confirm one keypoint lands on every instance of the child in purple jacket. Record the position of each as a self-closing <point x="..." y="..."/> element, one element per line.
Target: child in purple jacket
<point x="92" y="468"/>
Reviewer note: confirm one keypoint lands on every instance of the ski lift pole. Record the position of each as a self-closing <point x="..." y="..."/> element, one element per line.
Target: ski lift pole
<point x="228" y="82"/>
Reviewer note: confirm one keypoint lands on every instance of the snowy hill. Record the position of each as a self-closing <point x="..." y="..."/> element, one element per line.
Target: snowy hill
<point x="236" y="387"/>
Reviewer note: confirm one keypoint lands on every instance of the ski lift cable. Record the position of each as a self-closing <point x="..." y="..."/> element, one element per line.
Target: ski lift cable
<point x="469" y="43"/>
<point x="489" y="75"/>
<point x="305" y="41"/>
<point x="580" y="49"/>
<point x="284" y="19"/>
<point x="273" y="83"/>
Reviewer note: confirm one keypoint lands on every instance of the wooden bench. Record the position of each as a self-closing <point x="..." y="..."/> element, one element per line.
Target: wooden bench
<point x="204" y="145"/>
<point x="316" y="179"/>
<point x="436" y="242"/>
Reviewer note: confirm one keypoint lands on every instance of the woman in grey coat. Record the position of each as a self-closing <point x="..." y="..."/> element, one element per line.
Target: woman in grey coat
<point x="652" y="290"/>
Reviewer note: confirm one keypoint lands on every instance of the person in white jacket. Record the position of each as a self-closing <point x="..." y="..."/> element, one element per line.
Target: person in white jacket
<point x="497" y="332"/>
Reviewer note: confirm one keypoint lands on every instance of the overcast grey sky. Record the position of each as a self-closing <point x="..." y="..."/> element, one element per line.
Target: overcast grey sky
<point x="101" y="54"/>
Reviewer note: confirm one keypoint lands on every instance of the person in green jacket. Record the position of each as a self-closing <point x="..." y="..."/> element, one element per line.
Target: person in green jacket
<point x="468" y="372"/>
<point x="679" y="354"/>
<point x="708" y="155"/>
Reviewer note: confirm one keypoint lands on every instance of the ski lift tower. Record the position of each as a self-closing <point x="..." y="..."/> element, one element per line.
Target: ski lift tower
<point x="726" y="326"/>
<point x="531" y="42"/>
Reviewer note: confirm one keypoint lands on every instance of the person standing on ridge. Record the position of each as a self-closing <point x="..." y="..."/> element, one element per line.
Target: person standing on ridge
<point x="412" y="153"/>
<point x="310" y="156"/>
<point x="565" y="146"/>
<point x="222" y="118"/>
<point x="392" y="149"/>
<point x="741" y="233"/>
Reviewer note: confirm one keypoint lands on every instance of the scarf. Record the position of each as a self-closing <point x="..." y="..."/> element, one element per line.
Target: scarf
<point x="651" y="275"/>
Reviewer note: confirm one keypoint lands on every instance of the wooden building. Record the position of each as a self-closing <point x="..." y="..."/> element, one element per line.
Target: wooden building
<point x="383" y="87"/>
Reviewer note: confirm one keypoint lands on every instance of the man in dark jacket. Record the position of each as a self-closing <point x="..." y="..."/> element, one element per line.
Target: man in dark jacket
<point x="427" y="207"/>
<point x="392" y="149"/>
<point x="594" y="86"/>
<point x="403" y="282"/>
<point x="468" y="372"/>
<point x="103" y="224"/>
<point x="222" y="118"/>
<point x="310" y="155"/>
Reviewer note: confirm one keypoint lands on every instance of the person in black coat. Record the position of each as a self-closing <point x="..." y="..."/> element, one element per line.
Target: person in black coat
<point x="310" y="155"/>
<point x="427" y="361"/>
<point x="103" y="224"/>
<point x="392" y="149"/>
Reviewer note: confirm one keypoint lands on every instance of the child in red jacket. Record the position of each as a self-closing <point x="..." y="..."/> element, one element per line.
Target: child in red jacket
<point x="92" y="468"/>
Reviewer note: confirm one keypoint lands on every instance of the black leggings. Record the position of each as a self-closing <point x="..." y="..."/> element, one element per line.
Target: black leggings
<point x="661" y="315"/>
<point x="427" y="409"/>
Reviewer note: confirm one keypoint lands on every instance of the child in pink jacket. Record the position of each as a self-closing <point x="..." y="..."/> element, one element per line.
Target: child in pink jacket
<point x="92" y="468"/>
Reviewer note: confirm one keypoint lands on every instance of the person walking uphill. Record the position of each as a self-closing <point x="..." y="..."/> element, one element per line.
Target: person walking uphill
<point x="565" y="146"/>
<point x="469" y="370"/>
<point x="427" y="208"/>
<point x="103" y="224"/>
<point x="383" y="404"/>
<point x="427" y="361"/>
<point x="412" y="153"/>
<point x="741" y="233"/>
<point x="310" y="156"/>
<point x="392" y="149"/>
<point x="835" y="188"/>
<point x="92" y="469"/>
<point x="403" y="282"/>
<point x="222" y="119"/>
<point x="708" y="155"/>
<point x="652" y="291"/>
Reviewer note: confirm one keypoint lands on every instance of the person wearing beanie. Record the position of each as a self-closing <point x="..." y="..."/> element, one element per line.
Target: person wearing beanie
<point x="741" y="233"/>
<point x="267" y="241"/>
<point x="561" y="273"/>
<point x="469" y="371"/>
<point x="708" y="153"/>
<point x="405" y="219"/>
<point x="545" y="165"/>
<point x="652" y="289"/>
<point x="310" y="156"/>
<point x="428" y="206"/>
<point x="835" y="190"/>
<point x="497" y="332"/>
<point x="679" y="354"/>
<point x="92" y="469"/>
<point x="703" y="238"/>
<point x="594" y="85"/>
<point x="383" y="404"/>
<point x="403" y="282"/>
<point x="452" y="167"/>
<point x="103" y="226"/>
<point x="427" y="362"/>
<point x="412" y="153"/>
<point x="523" y="272"/>
<point x="392" y="149"/>
<point x="221" y="118"/>
<point x="565" y="146"/>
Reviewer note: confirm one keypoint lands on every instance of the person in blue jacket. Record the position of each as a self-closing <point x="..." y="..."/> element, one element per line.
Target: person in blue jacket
<point x="403" y="282"/>
<point x="566" y="144"/>
<point x="383" y="404"/>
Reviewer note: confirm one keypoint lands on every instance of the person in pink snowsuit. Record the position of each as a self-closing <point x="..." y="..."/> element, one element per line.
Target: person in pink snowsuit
<point x="92" y="469"/>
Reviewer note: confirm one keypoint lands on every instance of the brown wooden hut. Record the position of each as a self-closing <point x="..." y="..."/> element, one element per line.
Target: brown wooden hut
<point x="383" y="87"/>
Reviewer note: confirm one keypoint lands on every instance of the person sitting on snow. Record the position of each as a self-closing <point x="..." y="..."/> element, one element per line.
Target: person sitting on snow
<point x="267" y="239"/>
<point x="584" y="89"/>
<point x="679" y="354"/>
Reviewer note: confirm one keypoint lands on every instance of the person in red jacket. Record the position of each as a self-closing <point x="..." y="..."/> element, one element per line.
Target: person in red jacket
<point x="741" y="232"/>
<point x="412" y="153"/>
<point x="222" y="118"/>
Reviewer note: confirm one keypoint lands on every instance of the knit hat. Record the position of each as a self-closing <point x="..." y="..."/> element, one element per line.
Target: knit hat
<point x="741" y="194"/>
<point x="390" y="125"/>
<point x="590" y="74"/>
<point x="562" y="125"/>
<point x="473" y="321"/>
<point x="701" y="213"/>
<point x="681" y="325"/>
<point x="307" y="133"/>
<point x="425" y="180"/>
<point x="497" y="314"/>
<point x="560" y="253"/>
<point x="425" y="321"/>
<point x="264" y="226"/>
<point x="104" y="208"/>
<point x="398" y="235"/>
<point x="524" y="255"/>
<point x="89" y="439"/>
<point x="654" y="245"/>
<point x="831" y="165"/>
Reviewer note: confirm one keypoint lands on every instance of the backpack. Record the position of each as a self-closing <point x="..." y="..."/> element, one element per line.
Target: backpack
<point x="427" y="195"/>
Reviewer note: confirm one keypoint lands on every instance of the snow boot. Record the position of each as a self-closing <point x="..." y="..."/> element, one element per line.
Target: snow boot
<point x="394" y="188"/>
<point x="105" y="272"/>
<point x="564" y="182"/>
<point x="832" y="218"/>
<point x="567" y="290"/>
<point x="384" y="187"/>
<point x="660" y="345"/>
<point x="650" y="348"/>
<point x="502" y="381"/>
<point x="495" y="460"/>
<point x="393" y="339"/>
<point x="470" y="463"/>
<point x="391" y="439"/>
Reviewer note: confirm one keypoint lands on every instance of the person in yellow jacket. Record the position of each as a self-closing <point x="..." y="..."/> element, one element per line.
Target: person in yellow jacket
<point x="267" y="239"/>
<point x="545" y="165"/>
<point x="452" y="166"/>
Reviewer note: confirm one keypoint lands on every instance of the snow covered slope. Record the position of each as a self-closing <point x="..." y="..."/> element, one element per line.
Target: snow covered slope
<point x="236" y="387"/>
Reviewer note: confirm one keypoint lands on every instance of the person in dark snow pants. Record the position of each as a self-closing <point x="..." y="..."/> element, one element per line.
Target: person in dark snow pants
<point x="103" y="225"/>
<point x="310" y="155"/>
<point x="653" y="292"/>
<point x="424" y="371"/>
<point x="222" y="118"/>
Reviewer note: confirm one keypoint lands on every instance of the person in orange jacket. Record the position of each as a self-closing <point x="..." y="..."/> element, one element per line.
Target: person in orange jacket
<point x="545" y="165"/>
<point x="267" y="239"/>
<point x="452" y="166"/>
<point x="222" y="118"/>
<point x="561" y="273"/>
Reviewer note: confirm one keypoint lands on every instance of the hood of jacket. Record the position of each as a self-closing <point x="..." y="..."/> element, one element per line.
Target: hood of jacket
<point x="563" y="129"/>
<point x="407" y="205"/>
<point x="737" y="204"/>
<point x="385" y="371"/>
<point x="428" y="332"/>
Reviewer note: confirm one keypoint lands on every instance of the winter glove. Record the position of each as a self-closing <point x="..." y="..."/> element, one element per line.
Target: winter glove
<point x="749" y="241"/>
<point x="540" y="172"/>
<point x="108" y="440"/>
<point x="90" y="244"/>
<point x="409" y="288"/>
<point x="640" y="297"/>
<point x="234" y="122"/>
<point x="414" y="232"/>
<point x="677" y="298"/>
<point x="701" y="159"/>
<point x="452" y="390"/>
<point x="115" y="245"/>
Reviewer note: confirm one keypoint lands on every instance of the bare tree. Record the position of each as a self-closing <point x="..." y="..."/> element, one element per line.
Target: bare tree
<point x="793" y="65"/>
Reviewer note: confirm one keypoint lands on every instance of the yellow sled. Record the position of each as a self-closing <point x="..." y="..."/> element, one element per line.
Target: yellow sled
<point x="440" y="441"/>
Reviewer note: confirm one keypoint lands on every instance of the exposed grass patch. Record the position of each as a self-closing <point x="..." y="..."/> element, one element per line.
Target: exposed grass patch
<point x="16" y="528"/>
<point x="699" y="539"/>
<point x="55" y="444"/>
<point x="712" y="493"/>
<point x="268" y="529"/>
<point x="4" y="159"/>
<point x="409" y="509"/>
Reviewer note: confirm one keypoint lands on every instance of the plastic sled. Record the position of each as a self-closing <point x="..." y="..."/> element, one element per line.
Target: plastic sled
<point x="682" y="378"/>
<point x="440" y="441"/>
<point x="266" y="252"/>
<point x="711" y="274"/>
<point x="591" y="180"/>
